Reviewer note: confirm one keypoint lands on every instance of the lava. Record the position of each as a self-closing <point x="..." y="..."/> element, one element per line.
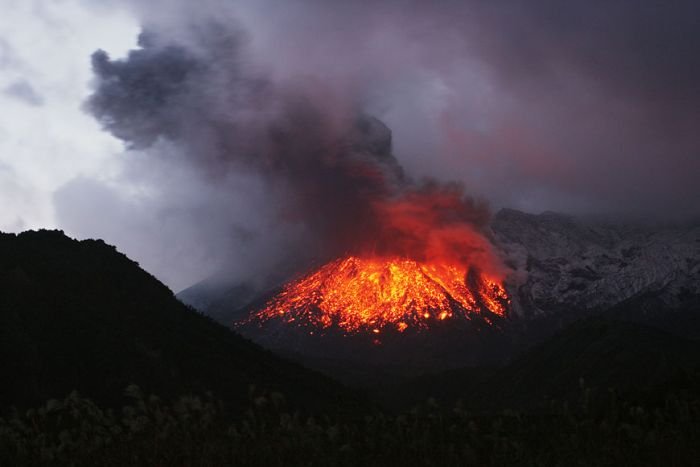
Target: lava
<point x="376" y="294"/>
<point x="423" y="257"/>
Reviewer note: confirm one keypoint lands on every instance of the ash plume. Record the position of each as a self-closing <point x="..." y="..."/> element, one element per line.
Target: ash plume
<point x="332" y="169"/>
<point x="586" y="108"/>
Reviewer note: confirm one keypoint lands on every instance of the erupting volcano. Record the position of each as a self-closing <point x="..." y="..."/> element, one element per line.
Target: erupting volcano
<point x="399" y="256"/>
<point x="378" y="294"/>
<point x="427" y="263"/>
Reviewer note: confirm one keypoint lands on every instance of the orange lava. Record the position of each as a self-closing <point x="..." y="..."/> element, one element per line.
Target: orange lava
<point x="378" y="294"/>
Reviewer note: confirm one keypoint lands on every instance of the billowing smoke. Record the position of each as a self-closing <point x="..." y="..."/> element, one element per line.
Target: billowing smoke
<point x="588" y="108"/>
<point x="330" y="168"/>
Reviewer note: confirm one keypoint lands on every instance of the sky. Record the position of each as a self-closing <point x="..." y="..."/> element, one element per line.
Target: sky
<point x="207" y="146"/>
<point x="45" y="137"/>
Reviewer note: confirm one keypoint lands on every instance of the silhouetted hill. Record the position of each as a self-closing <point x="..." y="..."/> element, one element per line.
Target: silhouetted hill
<point x="78" y="315"/>
<point x="594" y="353"/>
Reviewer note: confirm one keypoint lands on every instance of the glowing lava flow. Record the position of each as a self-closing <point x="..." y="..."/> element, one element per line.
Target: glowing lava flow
<point x="371" y="294"/>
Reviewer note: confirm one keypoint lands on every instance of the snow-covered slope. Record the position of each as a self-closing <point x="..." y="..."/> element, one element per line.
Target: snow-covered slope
<point x="561" y="263"/>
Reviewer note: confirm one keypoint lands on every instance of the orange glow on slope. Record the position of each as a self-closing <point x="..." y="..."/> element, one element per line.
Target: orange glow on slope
<point x="373" y="294"/>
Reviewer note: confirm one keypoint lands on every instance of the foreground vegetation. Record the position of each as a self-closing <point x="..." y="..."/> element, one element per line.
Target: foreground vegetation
<point x="196" y="431"/>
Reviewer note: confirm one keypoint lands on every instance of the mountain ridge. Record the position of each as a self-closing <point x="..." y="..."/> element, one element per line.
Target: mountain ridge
<point x="79" y="315"/>
<point x="561" y="262"/>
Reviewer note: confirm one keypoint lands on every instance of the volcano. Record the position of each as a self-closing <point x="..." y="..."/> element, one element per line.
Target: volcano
<point x="367" y="311"/>
<point x="378" y="295"/>
<point x="361" y="315"/>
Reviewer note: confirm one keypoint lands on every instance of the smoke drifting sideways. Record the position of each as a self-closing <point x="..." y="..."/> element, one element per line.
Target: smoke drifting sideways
<point x="329" y="170"/>
<point x="247" y="113"/>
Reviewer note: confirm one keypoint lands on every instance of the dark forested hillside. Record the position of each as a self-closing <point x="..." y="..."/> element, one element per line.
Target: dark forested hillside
<point x="78" y="315"/>
<point x="637" y="361"/>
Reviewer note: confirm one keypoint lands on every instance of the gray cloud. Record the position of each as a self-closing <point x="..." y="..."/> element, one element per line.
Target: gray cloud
<point x="327" y="167"/>
<point x="589" y="107"/>
<point x="184" y="229"/>
<point x="24" y="91"/>
<point x="7" y="54"/>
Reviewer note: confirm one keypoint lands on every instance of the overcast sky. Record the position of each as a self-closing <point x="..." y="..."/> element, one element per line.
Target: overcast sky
<point x="588" y="108"/>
